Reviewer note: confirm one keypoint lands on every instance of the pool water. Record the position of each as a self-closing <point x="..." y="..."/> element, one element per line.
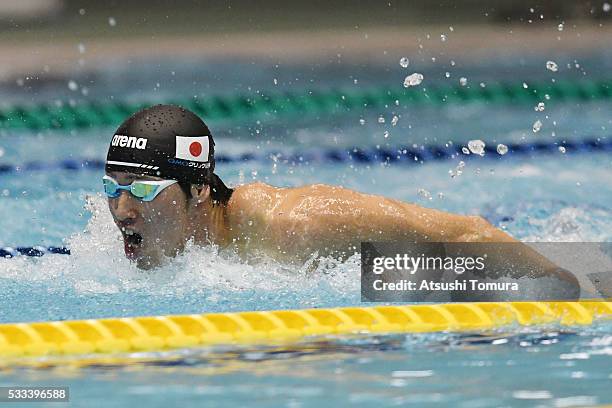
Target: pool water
<point x="549" y="367"/>
<point x="554" y="197"/>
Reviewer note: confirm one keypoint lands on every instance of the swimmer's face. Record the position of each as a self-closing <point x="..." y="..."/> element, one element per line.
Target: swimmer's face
<point x="150" y="229"/>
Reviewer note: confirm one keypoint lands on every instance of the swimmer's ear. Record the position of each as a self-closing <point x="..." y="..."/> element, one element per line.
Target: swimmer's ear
<point x="200" y="193"/>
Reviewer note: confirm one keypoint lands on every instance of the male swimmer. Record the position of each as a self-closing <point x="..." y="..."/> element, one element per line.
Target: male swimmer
<point x="163" y="192"/>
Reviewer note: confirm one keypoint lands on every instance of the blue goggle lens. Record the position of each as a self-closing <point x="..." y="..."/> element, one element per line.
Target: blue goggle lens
<point x="143" y="190"/>
<point x="111" y="188"/>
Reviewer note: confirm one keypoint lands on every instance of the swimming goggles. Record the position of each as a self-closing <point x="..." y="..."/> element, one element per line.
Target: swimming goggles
<point x="145" y="190"/>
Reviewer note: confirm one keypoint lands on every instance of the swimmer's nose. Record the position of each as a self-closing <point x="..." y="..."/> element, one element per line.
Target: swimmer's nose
<point x="124" y="209"/>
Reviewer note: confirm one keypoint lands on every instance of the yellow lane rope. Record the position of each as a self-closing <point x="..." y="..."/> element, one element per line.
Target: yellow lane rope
<point x="155" y="333"/>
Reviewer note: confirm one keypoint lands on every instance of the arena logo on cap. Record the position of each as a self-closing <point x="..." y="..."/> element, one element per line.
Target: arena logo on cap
<point x="192" y="148"/>
<point x="129" y="141"/>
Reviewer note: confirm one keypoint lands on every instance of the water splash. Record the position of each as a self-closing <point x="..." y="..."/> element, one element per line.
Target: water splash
<point x="413" y="80"/>
<point x="537" y="126"/>
<point x="97" y="279"/>
<point x="477" y="146"/>
<point x="502" y="149"/>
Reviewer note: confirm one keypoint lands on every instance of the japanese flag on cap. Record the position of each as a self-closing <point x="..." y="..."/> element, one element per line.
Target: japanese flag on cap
<point x="192" y="148"/>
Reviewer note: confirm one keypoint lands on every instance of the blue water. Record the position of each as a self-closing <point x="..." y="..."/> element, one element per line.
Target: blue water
<point x="523" y="368"/>
<point x="556" y="197"/>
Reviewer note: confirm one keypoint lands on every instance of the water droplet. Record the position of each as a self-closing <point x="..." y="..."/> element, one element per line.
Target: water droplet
<point x="424" y="193"/>
<point x="458" y="170"/>
<point x="82" y="12"/>
<point x="447" y="74"/>
<point x="112" y="22"/>
<point x="552" y="66"/>
<point x="560" y="27"/>
<point x="539" y="107"/>
<point x="381" y="119"/>
<point x="562" y="149"/>
<point x="463" y="81"/>
<point x="72" y="85"/>
<point x="443" y="37"/>
<point x="525" y="85"/>
<point x="362" y="121"/>
<point x="404" y="62"/>
<point x="476" y="146"/>
<point x="394" y="120"/>
<point x="386" y="134"/>
<point x="275" y="81"/>
<point x="606" y="7"/>
<point x="537" y="125"/>
<point x="413" y="80"/>
<point x="465" y="150"/>
<point x="502" y="149"/>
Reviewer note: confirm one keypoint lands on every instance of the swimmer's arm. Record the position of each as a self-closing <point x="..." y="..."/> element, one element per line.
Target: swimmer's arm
<point x="508" y="257"/>
<point x="343" y="216"/>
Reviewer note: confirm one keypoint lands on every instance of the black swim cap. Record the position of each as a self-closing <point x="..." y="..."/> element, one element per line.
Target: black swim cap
<point x="166" y="141"/>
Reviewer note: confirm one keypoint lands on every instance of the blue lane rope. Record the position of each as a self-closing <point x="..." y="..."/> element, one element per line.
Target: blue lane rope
<point x="9" y="252"/>
<point x="381" y="155"/>
<point x="401" y="154"/>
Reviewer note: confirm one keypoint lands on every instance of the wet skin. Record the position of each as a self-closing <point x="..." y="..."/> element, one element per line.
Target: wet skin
<point x="290" y="224"/>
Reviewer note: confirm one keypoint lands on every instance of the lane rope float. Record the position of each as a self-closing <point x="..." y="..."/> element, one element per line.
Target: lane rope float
<point x="10" y="252"/>
<point x="96" y="114"/>
<point x="399" y="154"/>
<point x="153" y="333"/>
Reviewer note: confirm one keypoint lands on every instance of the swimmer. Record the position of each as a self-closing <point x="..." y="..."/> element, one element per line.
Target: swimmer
<point x="163" y="192"/>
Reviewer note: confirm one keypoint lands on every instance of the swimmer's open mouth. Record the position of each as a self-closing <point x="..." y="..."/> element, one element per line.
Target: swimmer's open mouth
<point x="131" y="242"/>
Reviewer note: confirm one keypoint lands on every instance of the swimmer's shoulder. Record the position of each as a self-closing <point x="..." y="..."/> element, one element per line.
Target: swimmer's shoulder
<point x="253" y="196"/>
<point x="261" y="196"/>
<point x="264" y="193"/>
<point x="319" y="190"/>
<point x="256" y="200"/>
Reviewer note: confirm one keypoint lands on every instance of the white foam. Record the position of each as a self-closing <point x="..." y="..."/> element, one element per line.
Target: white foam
<point x="97" y="265"/>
